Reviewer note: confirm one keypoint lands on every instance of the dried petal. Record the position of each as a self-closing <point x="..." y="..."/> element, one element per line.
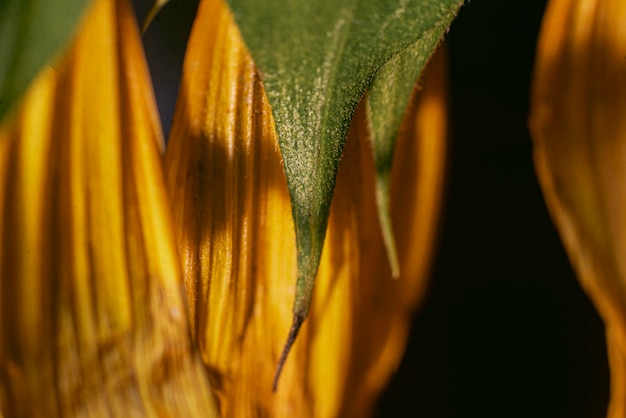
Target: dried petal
<point x="579" y="132"/>
<point x="92" y="318"/>
<point x="235" y="235"/>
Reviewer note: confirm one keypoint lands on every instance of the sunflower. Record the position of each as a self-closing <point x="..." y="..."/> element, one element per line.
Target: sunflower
<point x="142" y="282"/>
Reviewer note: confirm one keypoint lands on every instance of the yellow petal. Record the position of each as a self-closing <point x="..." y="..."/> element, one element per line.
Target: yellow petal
<point x="92" y="318"/>
<point x="579" y="132"/>
<point x="379" y="317"/>
<point x="235" y="236"/>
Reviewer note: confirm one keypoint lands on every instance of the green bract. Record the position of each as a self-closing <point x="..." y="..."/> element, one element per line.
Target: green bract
<point x="31" y="32"/>
<point x="387" y="100"/>
<point x="316" y="58"/>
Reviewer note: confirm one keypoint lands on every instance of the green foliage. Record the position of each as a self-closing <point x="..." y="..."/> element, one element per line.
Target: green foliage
<point x="387" y="100"/>
<point x="31" y="33"/>
<point x="316" y="59"/>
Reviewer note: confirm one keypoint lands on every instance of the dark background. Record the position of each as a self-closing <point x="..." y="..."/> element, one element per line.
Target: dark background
<point x="505" y="330"/>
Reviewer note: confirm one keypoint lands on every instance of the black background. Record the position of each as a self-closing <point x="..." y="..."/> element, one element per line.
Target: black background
<point x="505" y="330"/>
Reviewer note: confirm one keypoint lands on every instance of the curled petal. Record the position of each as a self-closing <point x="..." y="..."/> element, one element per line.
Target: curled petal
<point x="579" y="133"/>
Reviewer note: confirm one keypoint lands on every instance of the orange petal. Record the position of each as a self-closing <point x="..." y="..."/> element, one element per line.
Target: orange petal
<point x="235" y="235"/>
<point x="92" y="318"/>
<point x="579" y="132"/>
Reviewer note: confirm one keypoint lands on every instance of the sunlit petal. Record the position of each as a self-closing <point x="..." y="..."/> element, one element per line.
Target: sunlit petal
<point x="92" y="318"/>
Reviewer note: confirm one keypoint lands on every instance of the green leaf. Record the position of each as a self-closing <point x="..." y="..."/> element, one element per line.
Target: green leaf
<point x="387" y="101"/>
<point x="316" y="58"/>
<point x="31" y="33"/>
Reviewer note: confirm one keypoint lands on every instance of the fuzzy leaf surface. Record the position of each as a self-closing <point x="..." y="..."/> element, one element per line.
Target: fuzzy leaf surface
<point x="316" y="58"/>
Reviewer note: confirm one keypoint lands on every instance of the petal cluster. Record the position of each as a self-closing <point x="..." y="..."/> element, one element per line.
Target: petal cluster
<point x="92" y="314"/>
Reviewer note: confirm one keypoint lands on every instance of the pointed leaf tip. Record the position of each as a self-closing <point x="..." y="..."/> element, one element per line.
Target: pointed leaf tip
<point x="154" y="10"/>
<point x="298" y="320"/>
<point x="387" y="100"/>
<point x="316" y="59"/>
<point x="386" y="226"/>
